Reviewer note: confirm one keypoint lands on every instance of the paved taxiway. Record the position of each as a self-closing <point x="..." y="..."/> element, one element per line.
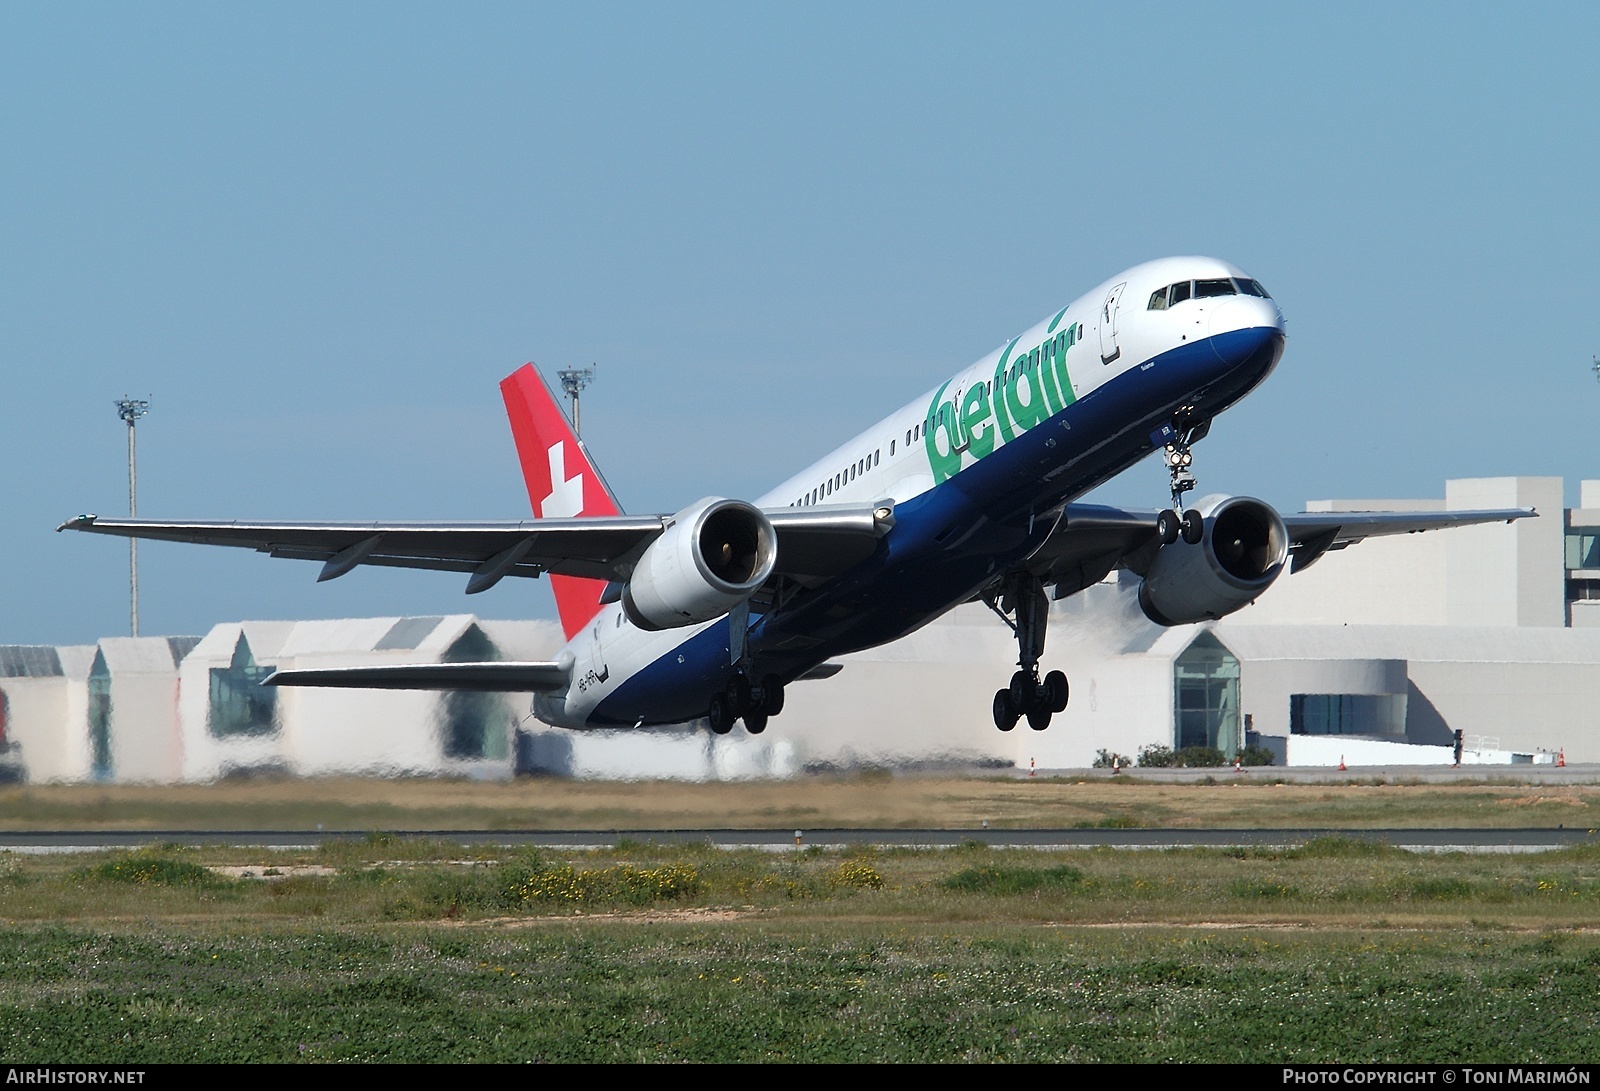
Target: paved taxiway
<point x="1421" y="840"/>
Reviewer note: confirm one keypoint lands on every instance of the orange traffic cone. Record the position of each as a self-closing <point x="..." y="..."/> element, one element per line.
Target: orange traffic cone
<point x="1561" y="758"/>
<point x="1341" y="763"/>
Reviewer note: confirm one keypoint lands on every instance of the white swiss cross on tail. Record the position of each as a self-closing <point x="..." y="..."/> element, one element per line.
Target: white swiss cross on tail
<point x="565" y="498"/>
<point x="546" y="446"/>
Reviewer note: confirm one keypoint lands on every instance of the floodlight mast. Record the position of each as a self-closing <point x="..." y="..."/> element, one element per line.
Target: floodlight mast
<point x="573" y="380"/>
<point x="130" y="410"/>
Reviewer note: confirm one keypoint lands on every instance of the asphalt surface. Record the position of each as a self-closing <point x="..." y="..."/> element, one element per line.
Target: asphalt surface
<point x="1588" y="773"/>
<point x="1425" y="840"/>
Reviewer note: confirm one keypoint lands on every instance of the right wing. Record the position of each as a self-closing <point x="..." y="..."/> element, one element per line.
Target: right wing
<point x="1089" y="540"/>
<point x="814" y="544"/>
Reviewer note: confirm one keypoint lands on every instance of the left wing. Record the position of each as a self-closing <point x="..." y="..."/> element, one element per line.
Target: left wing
<point x="481" y="677"/>
<point x="814" y="544"/>
<point x="1089" y="540"/>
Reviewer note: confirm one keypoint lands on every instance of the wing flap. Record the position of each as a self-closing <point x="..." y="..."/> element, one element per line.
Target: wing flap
<point x="478" y="677"/>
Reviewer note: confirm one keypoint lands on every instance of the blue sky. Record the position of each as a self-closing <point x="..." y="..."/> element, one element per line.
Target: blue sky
<point x="316" y="237"/>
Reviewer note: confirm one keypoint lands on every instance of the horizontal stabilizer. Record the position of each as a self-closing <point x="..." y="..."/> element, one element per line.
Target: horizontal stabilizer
<point x="480" y="677"/>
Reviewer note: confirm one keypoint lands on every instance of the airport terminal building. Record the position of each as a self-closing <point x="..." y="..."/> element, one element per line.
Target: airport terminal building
<point x="1376" y="654"/>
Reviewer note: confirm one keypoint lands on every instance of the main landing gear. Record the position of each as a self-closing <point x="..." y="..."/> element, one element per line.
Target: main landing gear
<point x="1027" y="695"/>
<point x="756" y="704"/>
<point x="1189" y="526"/>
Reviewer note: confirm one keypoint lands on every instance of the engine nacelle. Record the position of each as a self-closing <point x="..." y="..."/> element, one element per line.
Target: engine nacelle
<point x="1242" y="551"/>
<point x="712" y="557"/>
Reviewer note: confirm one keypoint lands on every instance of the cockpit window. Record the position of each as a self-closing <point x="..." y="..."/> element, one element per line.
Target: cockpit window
<point x="1173" y="294"/>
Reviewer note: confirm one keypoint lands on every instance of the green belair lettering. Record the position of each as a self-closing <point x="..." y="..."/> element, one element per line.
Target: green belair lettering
<point x="1029" y="387"/>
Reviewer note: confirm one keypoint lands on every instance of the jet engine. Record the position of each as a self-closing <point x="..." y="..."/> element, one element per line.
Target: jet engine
<point x="713" y="555"/>
<point x="1242" y="550"/>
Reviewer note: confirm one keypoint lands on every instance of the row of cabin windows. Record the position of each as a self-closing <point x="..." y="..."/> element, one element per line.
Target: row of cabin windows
<point x="842" y="478"/>
<point x="1173" y="294"/>
<point x="913" y="434"/>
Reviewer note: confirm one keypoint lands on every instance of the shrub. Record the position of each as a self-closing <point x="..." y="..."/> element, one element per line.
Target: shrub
<point x="1198" y="757"/>
<point x="1012" y="880"/>
<point x="146" y="870"/>
<point x="1155" y="756"/>
<point x="1255" y="755"/>
<point x="562" y="883"/>
<point x="857" y="875"/>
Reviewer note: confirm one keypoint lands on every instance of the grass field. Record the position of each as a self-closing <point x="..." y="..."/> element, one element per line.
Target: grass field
<point x="1253" y="800"/>
<point x="396" y="949"/>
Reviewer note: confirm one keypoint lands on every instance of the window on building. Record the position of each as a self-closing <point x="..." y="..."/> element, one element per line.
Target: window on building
<point x="1583" y="547"/>
<point x="1583" y="590"/>
<point x="240" y="704"/>
<point x="1376" y="714"/>
<point x="100" y="718"/>
<point x="473" y="725"/>
<point x="1206" y="696"/>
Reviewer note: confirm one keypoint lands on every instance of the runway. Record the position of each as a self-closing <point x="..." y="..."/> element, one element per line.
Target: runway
<point x="1420" y="840"/>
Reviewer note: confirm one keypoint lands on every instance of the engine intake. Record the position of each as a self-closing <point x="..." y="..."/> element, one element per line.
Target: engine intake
<point x="1242" y="551"/>
<point x="713" y="556"/>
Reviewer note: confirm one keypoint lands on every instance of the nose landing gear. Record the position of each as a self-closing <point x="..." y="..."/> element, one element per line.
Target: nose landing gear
<point x="1027" y="695"/>
<point x="1180" y="437"/>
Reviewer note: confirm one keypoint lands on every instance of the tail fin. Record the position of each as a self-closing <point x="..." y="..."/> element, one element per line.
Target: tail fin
<point x="562" y="480"/>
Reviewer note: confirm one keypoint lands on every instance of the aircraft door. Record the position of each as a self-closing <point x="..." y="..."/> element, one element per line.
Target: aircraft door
<point x="1109" y="349"/>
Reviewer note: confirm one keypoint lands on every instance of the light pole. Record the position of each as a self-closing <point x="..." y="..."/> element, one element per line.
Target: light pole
<point x="573" y="380"/>
<point x="130" y="410"/>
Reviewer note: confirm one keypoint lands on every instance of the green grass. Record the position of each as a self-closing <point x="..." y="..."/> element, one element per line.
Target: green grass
<point x="798" y="993"/>
<point x="1338" y="951"/>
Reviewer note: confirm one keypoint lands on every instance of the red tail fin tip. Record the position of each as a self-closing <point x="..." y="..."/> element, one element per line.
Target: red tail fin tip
<point x="561" y="478"/>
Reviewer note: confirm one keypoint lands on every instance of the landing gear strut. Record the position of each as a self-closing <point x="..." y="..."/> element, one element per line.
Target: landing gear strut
<point x="1190" y="526"/>
<point x="1023" y="595"/>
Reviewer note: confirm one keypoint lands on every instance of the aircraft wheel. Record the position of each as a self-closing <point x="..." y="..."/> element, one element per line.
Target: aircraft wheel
<point x="1168" y="526"/>
<point x="721" y="719"/>
<point x="1022" y="692"/>
<point x="1005" y="713"/>
<point x="1056" y="691"/>
<point x="1194" y="527"/>
<point x="1039" y="718"/>
<point x="772" y="695"/>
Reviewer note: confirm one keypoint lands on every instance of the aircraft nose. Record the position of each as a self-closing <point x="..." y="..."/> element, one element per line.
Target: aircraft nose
<point x="1242" y="312"/>
<point x="1245" y="330"/>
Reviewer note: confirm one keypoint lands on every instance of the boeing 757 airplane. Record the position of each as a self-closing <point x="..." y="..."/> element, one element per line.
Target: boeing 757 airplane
<point x="965" y="494"/>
